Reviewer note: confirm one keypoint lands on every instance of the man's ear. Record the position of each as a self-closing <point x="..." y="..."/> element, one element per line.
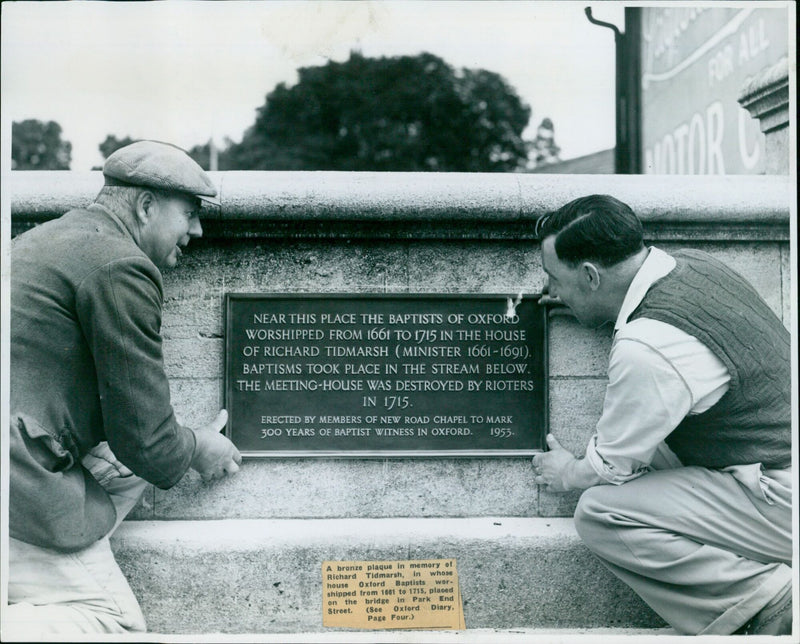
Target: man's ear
<point x="591" y="275"/>
<point x="145" y="204"/>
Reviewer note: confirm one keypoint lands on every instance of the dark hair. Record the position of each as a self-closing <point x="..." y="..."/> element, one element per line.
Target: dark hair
<point x="596" y="228"/>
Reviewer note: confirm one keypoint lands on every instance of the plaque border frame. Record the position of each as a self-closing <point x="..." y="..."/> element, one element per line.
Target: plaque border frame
<point x="388" y="453"/>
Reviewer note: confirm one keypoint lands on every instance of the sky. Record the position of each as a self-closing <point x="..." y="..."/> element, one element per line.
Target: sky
<point x="184" y="71"/>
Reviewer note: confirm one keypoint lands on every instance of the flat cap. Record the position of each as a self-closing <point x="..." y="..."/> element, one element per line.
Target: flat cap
<point x="163" y="166"/>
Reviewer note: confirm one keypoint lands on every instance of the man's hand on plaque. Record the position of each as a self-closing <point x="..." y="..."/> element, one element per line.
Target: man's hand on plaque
<point x="551" y="468"/>
<point x="215" y="455"/>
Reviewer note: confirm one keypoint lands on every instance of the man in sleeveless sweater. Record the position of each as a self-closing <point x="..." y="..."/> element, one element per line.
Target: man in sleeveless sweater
<point x="91" y="420"/>
<point x="687" y="477"/>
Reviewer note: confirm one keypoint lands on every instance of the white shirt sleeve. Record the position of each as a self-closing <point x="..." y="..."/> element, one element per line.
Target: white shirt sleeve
<point x="646" y="398"/>
<point x="658" y="375"/>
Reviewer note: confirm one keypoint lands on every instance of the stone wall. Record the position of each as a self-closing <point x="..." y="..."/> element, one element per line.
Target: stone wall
<point x="411" y="233"/>
<point x="243" y="555"/>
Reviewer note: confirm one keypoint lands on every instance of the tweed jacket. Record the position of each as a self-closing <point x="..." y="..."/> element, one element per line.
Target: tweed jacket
<point x="86" y="366"/>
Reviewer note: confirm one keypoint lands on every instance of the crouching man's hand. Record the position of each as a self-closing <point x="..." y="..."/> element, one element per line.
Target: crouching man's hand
<point x="553" y="468"/>
<point x="215" y="456"/>
<point x="560" y="471"/>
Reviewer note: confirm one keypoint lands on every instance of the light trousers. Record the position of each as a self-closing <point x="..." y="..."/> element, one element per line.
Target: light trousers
<point x="705" y="549"/>
<point x="55" y="593"/>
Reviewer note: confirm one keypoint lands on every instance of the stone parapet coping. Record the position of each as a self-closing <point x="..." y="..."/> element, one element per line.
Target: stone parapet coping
<point x="441" y="205"/>
<point x="766" y="96"/>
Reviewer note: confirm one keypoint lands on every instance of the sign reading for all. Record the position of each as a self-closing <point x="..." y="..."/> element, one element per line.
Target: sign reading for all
<point x="695" y="63"/>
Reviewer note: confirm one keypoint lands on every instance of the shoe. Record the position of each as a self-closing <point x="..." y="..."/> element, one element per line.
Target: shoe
<point x="773" y="619"/>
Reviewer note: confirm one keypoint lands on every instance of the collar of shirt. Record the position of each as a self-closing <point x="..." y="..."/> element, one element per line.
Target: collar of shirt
<point x="655" y="266"/>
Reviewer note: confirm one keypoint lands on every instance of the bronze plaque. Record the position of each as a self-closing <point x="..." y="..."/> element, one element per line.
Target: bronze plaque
<point x="385" y="374"/>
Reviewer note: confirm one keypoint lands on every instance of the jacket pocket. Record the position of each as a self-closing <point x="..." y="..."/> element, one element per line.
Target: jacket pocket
<point x="58" y="453"/>
<point x="53" y="501"/>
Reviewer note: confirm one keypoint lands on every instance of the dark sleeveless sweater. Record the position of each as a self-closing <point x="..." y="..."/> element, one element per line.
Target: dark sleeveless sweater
<point x="751" y="423"/>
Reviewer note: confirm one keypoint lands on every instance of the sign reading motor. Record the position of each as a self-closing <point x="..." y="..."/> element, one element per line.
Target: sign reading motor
<point x="694" y="63"/>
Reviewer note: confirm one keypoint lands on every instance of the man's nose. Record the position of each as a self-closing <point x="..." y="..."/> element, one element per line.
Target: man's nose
<point x="195" y="228"/>
<point x="548" y="293"/>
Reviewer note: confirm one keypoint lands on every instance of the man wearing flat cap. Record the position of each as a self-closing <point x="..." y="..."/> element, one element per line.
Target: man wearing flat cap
<point x="91" y="420"/>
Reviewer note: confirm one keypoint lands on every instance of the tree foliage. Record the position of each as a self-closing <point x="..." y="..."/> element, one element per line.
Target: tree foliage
<point x="37" y="145"/>
<point x="209" y="156"/>
<point x="202" y="155"/>
<point x="544" y="150"/>
<point x="112" y="144"/>
<point x="406" y="113"/>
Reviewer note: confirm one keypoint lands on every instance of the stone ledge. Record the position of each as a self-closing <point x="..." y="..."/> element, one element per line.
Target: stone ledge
<point x="381" y="487"/>
<point x="766" y="97"/>
<point x="264" y="576"/>
<point x="325" y="488"/>
<point x="392" y="205"/>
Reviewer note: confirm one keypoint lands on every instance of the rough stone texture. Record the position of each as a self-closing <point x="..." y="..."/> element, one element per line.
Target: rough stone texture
<point x="778" y="149"/>
<point x="766" y="97"/>
<point x="575" y="406"/>
<point x="193" y="357"/>
<point x="316" y="488"/>
<point x="194" y="345"/>
<point x="196" y="400"/>
<point x="444" y="205"/>
<point x="359" y="195"/>
<point x="475" y="267"/>
<point x="265" y="576"/>
<point x="329" y="488"/>
<point x="191" y="316"/>
<point x="575" y="350"/>
<point x="259" y="570"/>
<point x="288" y="266"/>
